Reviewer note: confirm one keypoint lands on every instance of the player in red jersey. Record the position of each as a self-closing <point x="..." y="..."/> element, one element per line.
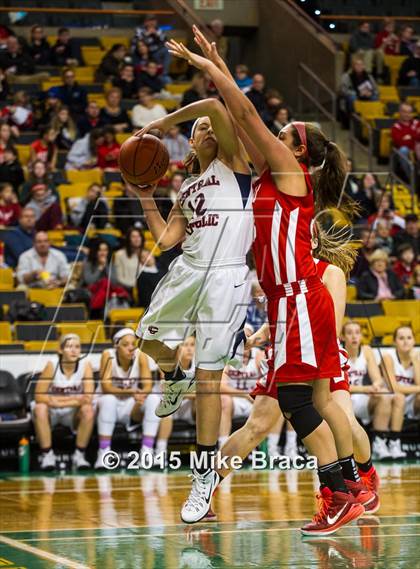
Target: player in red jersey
<point x="300" y="309"/>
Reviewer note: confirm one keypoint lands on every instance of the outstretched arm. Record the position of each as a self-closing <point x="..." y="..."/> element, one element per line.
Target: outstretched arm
<point x="229" y="147"/>
<point x="280" y="159"/>
<point x="209" y="50"/>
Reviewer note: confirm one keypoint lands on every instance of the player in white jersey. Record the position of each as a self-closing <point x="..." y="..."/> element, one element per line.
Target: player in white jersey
<point x="402" y="370"/>
<point x="206" y="290"/>
<point x="235" y="387"/>
<point x="370" y="402"/>
<point x="125" y="394"/>
<point x="63" y="396"/>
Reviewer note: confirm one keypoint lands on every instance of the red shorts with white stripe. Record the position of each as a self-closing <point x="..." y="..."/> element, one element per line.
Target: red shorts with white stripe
<point x="302" y="327"/>
<point x="263" y="387"/>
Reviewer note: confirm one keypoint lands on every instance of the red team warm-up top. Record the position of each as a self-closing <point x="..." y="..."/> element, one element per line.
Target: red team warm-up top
<point x="300" y="309"/>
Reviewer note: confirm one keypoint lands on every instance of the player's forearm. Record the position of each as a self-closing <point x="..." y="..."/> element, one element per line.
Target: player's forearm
<point x="154" y="220"/>
<point x="206" y="107"/>
<point x="408" y="389"/>
<point x="238" y="103"/>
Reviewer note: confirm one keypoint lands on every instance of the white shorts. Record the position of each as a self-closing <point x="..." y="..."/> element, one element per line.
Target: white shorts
<point x="409" y="410"/>
<point x="211" y="303"/>
<point x="241" y="407"/>
<point x="65" y="416"/>
<point x="124" y="407"/>
<point x="360" y="402"/>
<point x="185" y="412"/>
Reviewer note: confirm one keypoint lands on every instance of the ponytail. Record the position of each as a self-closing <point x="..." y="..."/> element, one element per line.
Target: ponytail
<point x="336" y="247"/>
<point x="191" y="163"/>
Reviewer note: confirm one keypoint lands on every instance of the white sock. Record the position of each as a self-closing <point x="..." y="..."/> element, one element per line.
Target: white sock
<point x="291" y="438"/>
<point x="272" y="440"/>
<point x="222" y="441"/>
<point x="161" y="445"/>
<point x="146" y="450"/>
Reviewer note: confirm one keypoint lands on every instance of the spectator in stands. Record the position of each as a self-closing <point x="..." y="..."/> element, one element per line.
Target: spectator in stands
<point x="38" y="175"/>
<point x="386" y="43"/>
<point x="10" y="169"/>
<point x="379" y="282"/>
<point x="91" y="211"/>
<point x="127" y="212"/>
<point x="39" y="48"/>
<point x="65" y="127"/>
<point x="19" y="113"/>
<point x="414" y="290"/>
<point x="5" y="138"/>
<point x="127" y="261"/>
<point x="222" y="43"/>
<point x="256" y="314"/>
<point x="386" y="211"/>
<point x="90" y="120"/>
<point x="358" y="85"/>
<point x="198" y="90"/>
<point x="177" y="144"/>
<point x="47" y="208"/>
<point x="111" y="62"/>
<point x="368" y="240"/>
<point x="9" y="206"/>
<point x="256" y="93"/>
<point x="361" y="191"/>
<point x="406" y="40"/>
<point x="70" y="93"/>
<point x="65" y="51"/>
<point x="405" y="135"/>
<point x="14" y="61"/>
<point x="147" y="110"/>
<point x="155" y="39"/>
<point x="273" y="101"/>
<point x="20" y="238"/>
<point x="126" y="81"/>
<point x="362" y="43"/>
<point x="281" y="119"/>
<point x="175" y="185"/>
<point x="384" y="240"/>
<point x="149" y="77"/>
<point x="140" y="55"/>
<point x="45" y="108"/>
<point x="149" y="275"/>
<point x="242" y="77"/>
<point x="113" y="114"/>
<point x="405" y="264"/>
<point x="401" y="368"/>
<point x="98" y="264"/>
<point x="108" y="151"/>
<point x="83" y="153"/>
<point x="4" y="86"/>
<point x="409" y="74"/>
<point x="45" y="149"/>
<point x="42" y="266"/>
<point x="71" y="405"/>
<point x="410" y="235"/>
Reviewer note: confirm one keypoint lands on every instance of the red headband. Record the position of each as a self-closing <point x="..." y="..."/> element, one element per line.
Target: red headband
<point x="301" y="130"/>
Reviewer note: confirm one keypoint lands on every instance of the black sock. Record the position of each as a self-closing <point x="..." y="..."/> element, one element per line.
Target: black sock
<point x="45" y="450"/>
<point x="174" y="375"/>
<point x="365" y="466"/>
<point x="394" y="435"/>
<point x="349" y="468"/>
<point x="82" y="450"/>
<point x="205" y="454"/>
<point x="381" y="434"/>
<point x="331" y="475"/>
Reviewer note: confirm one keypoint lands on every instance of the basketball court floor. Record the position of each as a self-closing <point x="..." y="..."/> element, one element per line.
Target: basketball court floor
<point x="126" y="521"/>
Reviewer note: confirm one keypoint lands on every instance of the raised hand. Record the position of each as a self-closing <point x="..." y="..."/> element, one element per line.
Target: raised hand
<point x="179" y="50"/>
<point x="208" y="49"/>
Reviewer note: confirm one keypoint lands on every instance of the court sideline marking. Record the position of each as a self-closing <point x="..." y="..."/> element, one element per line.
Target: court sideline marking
<point x="65" y="562"/>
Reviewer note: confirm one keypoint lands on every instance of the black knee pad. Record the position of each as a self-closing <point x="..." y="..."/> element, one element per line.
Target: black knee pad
<point x="296" y="404"/>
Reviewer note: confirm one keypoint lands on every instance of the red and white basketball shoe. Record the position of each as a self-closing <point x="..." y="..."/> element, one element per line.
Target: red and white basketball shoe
<point x="364" y="496"/>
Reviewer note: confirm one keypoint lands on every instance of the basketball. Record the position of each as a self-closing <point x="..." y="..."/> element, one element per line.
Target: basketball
<point x="143" y="160"/>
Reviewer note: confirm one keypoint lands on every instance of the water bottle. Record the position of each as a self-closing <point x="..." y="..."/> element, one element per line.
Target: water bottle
<point x="24" y="455"/>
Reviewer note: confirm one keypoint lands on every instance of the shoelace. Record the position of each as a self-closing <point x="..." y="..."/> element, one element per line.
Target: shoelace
<point x="195" y="497"/>
<point x="323" y="506"/>
<point x="368" y="481"/>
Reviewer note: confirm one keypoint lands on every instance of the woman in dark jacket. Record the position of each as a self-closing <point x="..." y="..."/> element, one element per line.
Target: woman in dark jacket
<point x="110" y="64"/>
<point x="379" y="283"/>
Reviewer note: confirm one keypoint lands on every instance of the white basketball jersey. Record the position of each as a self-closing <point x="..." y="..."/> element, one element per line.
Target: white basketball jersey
<point x="402" y="374"/>
<point x="358" y="369"/>
<point x="246" y="377"/>
<point x="217" y="205"/>
<point x="121" y="378"/>
<point x="63" y="385"/>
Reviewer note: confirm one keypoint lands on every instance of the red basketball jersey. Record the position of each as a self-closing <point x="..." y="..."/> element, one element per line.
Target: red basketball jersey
<point x="321" y="267"/>
<point x="282" y="243"/>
